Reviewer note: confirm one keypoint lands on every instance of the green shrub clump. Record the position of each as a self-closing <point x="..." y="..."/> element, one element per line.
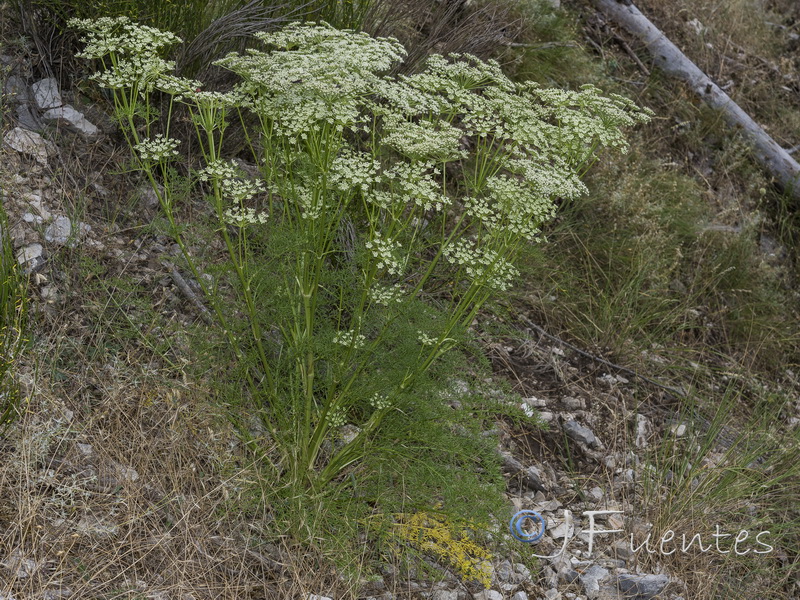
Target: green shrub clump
<point x="386" y="212"/>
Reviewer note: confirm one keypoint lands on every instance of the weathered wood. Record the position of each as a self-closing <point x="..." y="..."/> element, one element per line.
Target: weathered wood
<point x="666" y="55"/>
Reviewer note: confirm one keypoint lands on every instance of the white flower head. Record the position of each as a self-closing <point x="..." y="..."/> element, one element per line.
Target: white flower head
<point x="119" y="35"/>
<point x="206" y="100"/>
<point x="239" y="190"/>
<point x="336" y="417"/>
<point x="173" y="85"/>
<point x="412" y="183"/>
<point x="315" y="76"/>
<point x="349" y="338"/>
<point x="218" y="170"/>
<point x="386" y="295"/>
<point x="242" y="217"/>
<point x="140" y="72"/>
<point x="379" y="401"/>
<point x="426" y="340"/>
<point x="483" y="266"/>
<point x="353" y="170"/>
<point x="424" y="140"/>
<point x="385" y="252"/>
<point x="309" y="199"/>
<point x="157" y="149"/>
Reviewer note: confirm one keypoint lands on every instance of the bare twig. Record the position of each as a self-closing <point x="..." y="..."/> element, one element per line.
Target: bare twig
<point x="187" y="291"/>
<point x="515" y="468"/>
<point x="603" y="361"/>
<point x="543" y="46"/>
<point x="632" y="54"/>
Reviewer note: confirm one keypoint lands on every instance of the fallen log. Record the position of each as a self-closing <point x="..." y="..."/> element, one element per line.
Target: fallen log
<point x="666" y="55"/>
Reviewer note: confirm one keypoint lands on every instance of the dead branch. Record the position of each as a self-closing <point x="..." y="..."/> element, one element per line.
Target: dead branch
<point x="777" y="161"/>
<point x="180" y="282"/>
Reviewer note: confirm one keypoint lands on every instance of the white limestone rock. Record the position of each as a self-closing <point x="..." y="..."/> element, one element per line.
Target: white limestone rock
<point x="29" y="142"/>
<point x="72" y="119"/>
<point x="46" y="93"/>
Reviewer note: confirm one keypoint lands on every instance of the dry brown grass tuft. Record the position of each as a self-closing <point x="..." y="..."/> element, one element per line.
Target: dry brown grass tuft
<point x="117" y="485"/>
<point x="479" y="27"/>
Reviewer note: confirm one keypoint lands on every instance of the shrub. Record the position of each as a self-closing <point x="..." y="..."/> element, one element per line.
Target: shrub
<point x="386" y="213"/>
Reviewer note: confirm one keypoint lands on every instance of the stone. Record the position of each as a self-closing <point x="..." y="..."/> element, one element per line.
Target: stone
<point x="568" y="575"/>
<point x="57" y="593"/>
<point x="641" y="587"/>
<point x="596" y="493"/>
<point x="547" y="506"/>
<point x="20" y="566"/>
<point x="444" y="595"/>
<point x="317" y="597"/>
<point x="72" y="119"/>
<point x="46" y="94"/>
<point x="125" y="473"/>
<point x="552" y="595"/>
<point x="611" y="563"/>
<point x="571" y="403"/>
<point x="504" y="571"/>
<point x="678" y="429"/>
<point x="546" y="416"/>
<point x="522" y="571"/>
<point x="622" y="549"/>
<point x="460" y="387"/>
<point x="16" y="89"/>
<point x="535" y="402"/>
<point x="49" y="294"/>
<point x="26" y="119"/>
<point x="96" y="526"/>
<point x="29" y="142"/>
<point x="32" y="218"/>
<point x="562" y="530"/>
<point x="488" y="595"/>
<point x="643" y="431"/>
<point x="591" y="579"/>
<point x="29" y="254"/>
<point x="35" y="201"/>
<point x="87" y="450"/>
<point x="59" y="231"/>
<point x="549" y="577"/>
<point x="626" y="476"/>
<point x="580" y="434"/>
<point x="349" y="433"/>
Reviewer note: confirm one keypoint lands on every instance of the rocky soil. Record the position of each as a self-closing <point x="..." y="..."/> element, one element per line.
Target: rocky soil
<point x="601" y="421"/>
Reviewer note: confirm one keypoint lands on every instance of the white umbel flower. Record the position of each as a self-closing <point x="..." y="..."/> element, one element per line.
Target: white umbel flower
<point x="386" y="295"/>
<point x="157" y="149"/>
<point x="384" y="251"/>
<point x="242" y="217"/>
<point x="349" y="338"/>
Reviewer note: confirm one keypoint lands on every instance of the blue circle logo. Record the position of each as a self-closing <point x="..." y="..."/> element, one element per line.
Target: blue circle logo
<point x="518" y="520"/>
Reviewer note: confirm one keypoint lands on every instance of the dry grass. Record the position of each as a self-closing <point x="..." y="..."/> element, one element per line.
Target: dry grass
<point x="444" y="26"/>
<point x="746" y="47"/>
<point x="120" y="484"/>
<point x="117" y="484"/>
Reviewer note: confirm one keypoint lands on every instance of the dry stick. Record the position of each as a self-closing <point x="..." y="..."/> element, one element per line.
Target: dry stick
<point x="187" y="291"/>
<point x="592" y="357"/>
<point x="672" y="61"/>
<point x="540" y="46"/>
